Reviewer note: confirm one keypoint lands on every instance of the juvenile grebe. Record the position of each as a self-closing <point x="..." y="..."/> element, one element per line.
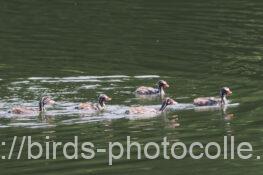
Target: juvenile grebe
<point x="150" y="111"/>
<point x="210" y="101"/>
<point x="143" y="90"/>
<point x="95" y="106"/>
<point x="41" y="108"/>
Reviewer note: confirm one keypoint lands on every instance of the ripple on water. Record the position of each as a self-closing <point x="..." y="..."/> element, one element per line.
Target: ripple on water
<point x="78" y="77"/>
<point x="4" y="126"/>
<point x="64" y="112"/>
<point x="36" y="88"/>
<point x="20" y="82"/>
<point x="92" y="86"/>
<point x="70" y="81"/>
<point x="146" y="76"/>
<point x="31" y="125"/>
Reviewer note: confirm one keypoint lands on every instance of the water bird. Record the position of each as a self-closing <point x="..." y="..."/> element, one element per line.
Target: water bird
<point x="211" y="101"/>
<point x="149" y="111"/>
<point x="143" y="90"/>
<point x="45" y="100"/>
<point x="102" y="99"/>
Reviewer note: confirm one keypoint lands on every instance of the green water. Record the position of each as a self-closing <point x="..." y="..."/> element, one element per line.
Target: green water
<point x="196" y="45"/>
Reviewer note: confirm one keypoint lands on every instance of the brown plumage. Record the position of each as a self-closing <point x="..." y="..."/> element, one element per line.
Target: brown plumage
<point x="95" y="106"/>
<point x="143" y="90"/>
<point x="210" y="101"/>
<point x="26" y="111"/>
<point x="141" y="110"/>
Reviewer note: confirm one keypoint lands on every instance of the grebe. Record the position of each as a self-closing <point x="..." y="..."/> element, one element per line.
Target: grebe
<point x="210" y="101"/>
<point x="150" y="111"/>
<point x="41" y="108"/>
<point x="143" y="90"/>
<point x="95" y="106"/>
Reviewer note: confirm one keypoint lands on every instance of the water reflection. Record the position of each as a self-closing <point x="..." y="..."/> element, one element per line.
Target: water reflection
<point x="197" y="45"/>
<point x="171" y="122"/>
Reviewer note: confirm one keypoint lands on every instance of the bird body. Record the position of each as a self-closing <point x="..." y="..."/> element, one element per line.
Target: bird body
<point x="148" y="111"/>
<point x="211" y="101"/>
<point x="207" y="101"/>
<point x="144" y="90"/>
<point x="23" y="110"/>
<point x="20" y="110"/>
<point x="95" y="106"/>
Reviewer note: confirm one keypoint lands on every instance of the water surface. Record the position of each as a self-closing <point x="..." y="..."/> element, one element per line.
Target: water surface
<point x="74" y="50"/>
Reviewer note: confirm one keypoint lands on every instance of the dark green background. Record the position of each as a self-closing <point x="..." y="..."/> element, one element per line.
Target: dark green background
<point x="196" y="45"/>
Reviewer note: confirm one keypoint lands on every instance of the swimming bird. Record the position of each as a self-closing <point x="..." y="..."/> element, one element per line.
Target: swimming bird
<point x="45" y="100"/>
<point x="149" y="111"/>
<point x="95" y="106"/>
<point x="143" y="90"/>
<point x="210" y="101"/>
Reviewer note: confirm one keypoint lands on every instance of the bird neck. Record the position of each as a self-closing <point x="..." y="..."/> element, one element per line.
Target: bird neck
<point x="161" y="90"/>
<point x="223" y="99"/>
<point x="163" y="106"/>
<point x="101" y="105"/>
<point x="41" y="106"/>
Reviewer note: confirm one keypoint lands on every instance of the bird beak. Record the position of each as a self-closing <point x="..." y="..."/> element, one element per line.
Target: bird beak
<point x="174" y="102"/>
<point x="229" y="92"/>
<point x="163" y="106"/>
<point x="166" y="85"/>
<point x="52" y="102"/>
<point x="109" y="99"/>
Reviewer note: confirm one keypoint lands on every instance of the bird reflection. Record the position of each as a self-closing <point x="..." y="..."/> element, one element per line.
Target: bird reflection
<point x="171" y="122"/>
<point x="228" y="117"/>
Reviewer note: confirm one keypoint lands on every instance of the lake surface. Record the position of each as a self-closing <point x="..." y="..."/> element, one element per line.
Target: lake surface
<point x="74" y="50"/>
